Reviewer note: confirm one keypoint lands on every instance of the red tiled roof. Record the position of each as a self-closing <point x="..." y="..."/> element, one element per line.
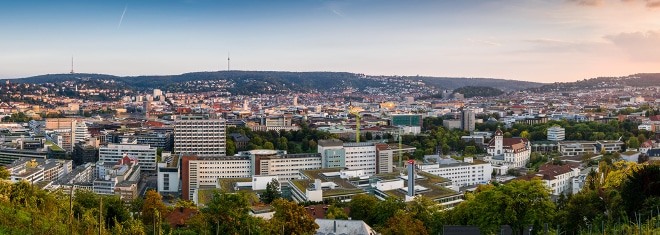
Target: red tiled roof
<point x="178" y="217"/>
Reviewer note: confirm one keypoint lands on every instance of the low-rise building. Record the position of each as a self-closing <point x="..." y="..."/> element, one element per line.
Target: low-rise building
<point x="466" y="173"/>
<point x="557" y="178"/>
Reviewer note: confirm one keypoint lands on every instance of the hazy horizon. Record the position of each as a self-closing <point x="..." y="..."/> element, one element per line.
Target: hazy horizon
<point x="526" y="40"/>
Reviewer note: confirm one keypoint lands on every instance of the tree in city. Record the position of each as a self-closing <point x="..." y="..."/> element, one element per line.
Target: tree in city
<point x="291" y="218"/>
<point x="518" y="204"/>
<point x="386" y="209"/>
<point x="403" y="223"/>
<point x="633" y="142"/>
<point x="272" y="192"/>
<point x="4" y="173"/>
<point x="268" y="145"/>
<point x="335" y="212"/>
<point x="182" y="203"/>
<point x="230" y="147"/>
<point x="153" y="208"/>
<point x="470" y="151"/>
<point x="362" y="206"/>
<point x="227" y="213"/>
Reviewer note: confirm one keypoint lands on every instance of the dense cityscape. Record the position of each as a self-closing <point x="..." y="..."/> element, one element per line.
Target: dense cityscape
<point x="199" y="158"/>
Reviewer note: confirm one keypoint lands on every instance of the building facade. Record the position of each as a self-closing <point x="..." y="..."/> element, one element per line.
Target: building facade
<point x="510" y="152"/>
<point x="200" y="136"/>
<point x="145" y="154"/>
<point x="556" y="133"/>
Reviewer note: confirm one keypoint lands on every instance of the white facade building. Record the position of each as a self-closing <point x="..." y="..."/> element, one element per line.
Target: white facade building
<point x="559" y="179"/>
<point x="469" y="172"/>
<point x="145" y="154"/>
<point x="354" y="156"/>
<point x="556" y="133"/>
<point x="168" y="174"/>
<point x="510" y="152"/>
<point x="200" y="136"/>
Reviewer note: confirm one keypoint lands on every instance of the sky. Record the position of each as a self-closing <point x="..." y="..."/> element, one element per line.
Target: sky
<point x="531" y="40"/>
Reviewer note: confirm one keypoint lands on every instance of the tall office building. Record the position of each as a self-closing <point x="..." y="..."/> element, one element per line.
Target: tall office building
<point x="199" y="135"/>
<point x="468" y="119"/>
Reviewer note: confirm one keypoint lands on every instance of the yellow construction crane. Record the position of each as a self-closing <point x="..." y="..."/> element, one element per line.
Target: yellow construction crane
<point x="356" y="111"/>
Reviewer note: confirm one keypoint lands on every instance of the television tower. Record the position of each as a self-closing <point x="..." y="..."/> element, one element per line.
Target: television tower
<point x="228" y="62"/>
<point x="72" y="72"/>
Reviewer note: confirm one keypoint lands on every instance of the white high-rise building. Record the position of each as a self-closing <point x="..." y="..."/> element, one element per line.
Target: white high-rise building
<point x="556" y="133"/>
<point x="145" y="154"/>
<point x="354" y="156"/>
<point x="200" y="136"/>
<point x="80" y="132"/>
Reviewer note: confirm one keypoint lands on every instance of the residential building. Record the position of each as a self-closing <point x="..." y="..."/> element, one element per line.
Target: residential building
<point x="557" y="178"/>
<point x="145" y="154"/>
<point x="199" y="136"/>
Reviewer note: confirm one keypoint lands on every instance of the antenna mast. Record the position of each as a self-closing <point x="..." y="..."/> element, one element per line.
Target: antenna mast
<point x="72" y="72"/>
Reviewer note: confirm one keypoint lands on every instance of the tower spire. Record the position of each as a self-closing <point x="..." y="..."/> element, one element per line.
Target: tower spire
<point x="72" y="72"/>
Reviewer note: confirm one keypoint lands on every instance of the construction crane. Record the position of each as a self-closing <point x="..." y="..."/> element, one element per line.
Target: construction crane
<point x="354" y="110"/>
<point x="400" y="144"/>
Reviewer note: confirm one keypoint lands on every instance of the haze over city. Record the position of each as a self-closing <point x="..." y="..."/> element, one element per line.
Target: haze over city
<point x="542" y="41"/>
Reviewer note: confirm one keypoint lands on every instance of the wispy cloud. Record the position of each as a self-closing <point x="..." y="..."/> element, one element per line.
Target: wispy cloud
<point x="591" y="3"/>
<point x="484" y="42"/>
<point x="336" y="7"/>
<point x="652" y="3"/>
<point x="640" y="46"/>
<point x="122" y="16"/>
<point x="595" y="3"/>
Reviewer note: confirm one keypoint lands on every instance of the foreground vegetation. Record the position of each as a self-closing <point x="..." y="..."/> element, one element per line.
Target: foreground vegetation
<point x="618" y="198"/>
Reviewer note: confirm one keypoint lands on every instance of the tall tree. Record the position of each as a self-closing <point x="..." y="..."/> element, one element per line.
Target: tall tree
<point x="362" y="206"/>
<point x="228" y="213"/>
<point x="153" y="207"/>
<point x="403" y="223"/>
<point x="272" y="192"/>
<point x="230" y="147"/>
<point x="335" y="212"/>
<point x="291" y="218"/>
<point x="517" y="204"/>
<point x="4" y="173"/>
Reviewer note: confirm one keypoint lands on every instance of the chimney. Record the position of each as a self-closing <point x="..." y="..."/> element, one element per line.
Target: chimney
<point x="317" y="184"/>
<point x="335" y="230"/>
<point x="411" y="178"/>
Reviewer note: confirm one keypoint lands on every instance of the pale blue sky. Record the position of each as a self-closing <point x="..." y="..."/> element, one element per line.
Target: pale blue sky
<point x="533" y="40"/>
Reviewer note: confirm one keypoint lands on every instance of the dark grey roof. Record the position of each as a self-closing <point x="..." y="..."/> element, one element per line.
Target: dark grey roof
<point x="238" y="137"/>
<point x="653" y="153"/>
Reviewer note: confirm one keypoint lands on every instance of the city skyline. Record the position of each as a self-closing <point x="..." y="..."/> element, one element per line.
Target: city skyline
<point x="541" y="41"/>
